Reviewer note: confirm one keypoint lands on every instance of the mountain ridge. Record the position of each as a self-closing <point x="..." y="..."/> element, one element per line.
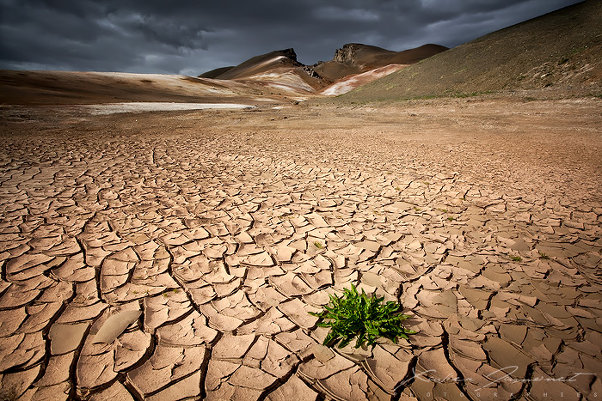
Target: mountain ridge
<point x="558" y="54"/>
<point x="351" y="58"/>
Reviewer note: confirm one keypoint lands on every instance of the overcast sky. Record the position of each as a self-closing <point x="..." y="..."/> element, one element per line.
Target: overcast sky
<point x="194" y="36"/>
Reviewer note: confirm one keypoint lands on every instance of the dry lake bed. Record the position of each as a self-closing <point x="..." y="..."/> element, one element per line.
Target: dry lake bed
<point x="176" y="254"/>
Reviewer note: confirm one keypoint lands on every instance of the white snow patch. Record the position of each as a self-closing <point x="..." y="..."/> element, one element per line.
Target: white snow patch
<point x="349" y="83"/>
<point x="339" y="88"/>
<point x="137" y="107"/>
<point x="283" y="87"/>
<point x="265" y="76"/>
<point x="284" y="80"/>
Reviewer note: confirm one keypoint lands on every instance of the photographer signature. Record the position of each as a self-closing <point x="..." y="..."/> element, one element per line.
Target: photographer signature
<point x="497" y="376"/>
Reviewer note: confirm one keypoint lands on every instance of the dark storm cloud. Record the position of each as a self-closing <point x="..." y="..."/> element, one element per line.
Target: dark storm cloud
<point x="194" y="36"/>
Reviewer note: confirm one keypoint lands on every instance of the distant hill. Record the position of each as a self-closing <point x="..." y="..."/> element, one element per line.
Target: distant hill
<point x="351" y="59"/>
<point x="355" y="58"/>
<point x="261" y="64"/>
<point x="271" y="77"/>
<point x="73" y="87"/>
<point x="276" y="67"/>
<point x="562" y="49"/>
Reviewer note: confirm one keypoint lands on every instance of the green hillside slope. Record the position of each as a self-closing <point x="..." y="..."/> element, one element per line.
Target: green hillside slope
<point x="560" y="50"/>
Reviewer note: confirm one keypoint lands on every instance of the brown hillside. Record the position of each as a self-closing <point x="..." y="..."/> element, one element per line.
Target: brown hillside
<point x="279" y="67"/>
<point x="262" y="63"/>
<point x="560" y="50"/>
<point x="351" y="59"/>
<point x="355" y="58"/>
<point x="72" y="87"/>
<point x="215" y="73"/>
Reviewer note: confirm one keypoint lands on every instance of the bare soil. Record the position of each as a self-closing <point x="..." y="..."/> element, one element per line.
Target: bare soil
<point x="482" y="216"/>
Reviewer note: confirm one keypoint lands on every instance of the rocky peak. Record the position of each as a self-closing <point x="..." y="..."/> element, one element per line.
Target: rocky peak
<point x="346" y="54"/>
<point x="289" y="53"/>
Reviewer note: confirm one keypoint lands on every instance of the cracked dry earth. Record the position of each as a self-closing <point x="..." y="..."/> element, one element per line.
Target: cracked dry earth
<point x="202" y="240"/>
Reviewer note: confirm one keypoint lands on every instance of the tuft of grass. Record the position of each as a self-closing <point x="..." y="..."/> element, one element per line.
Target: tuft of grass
<point x="543" y="256"/>
<point x="355" y="315"/>
<point x="318" y="245"/>
<point x="450" y="218"/>
<point x="516" y="258"/>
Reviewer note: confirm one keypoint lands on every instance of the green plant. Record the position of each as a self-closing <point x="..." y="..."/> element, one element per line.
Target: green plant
<point x="516" y="258"/>
<point x="318" y="245"/>
<point x="358" y="315"/>
<point x="543" y="255"/>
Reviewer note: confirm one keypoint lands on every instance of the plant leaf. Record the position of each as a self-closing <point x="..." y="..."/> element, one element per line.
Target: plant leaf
<point x="367" y="318"/>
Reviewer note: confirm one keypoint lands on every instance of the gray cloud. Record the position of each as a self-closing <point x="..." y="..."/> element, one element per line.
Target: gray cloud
<point x="344" y="14"/>
<point x="190" y="37"/>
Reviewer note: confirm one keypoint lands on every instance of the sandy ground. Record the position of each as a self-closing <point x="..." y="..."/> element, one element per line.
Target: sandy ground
<point x="173" y="255"/>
